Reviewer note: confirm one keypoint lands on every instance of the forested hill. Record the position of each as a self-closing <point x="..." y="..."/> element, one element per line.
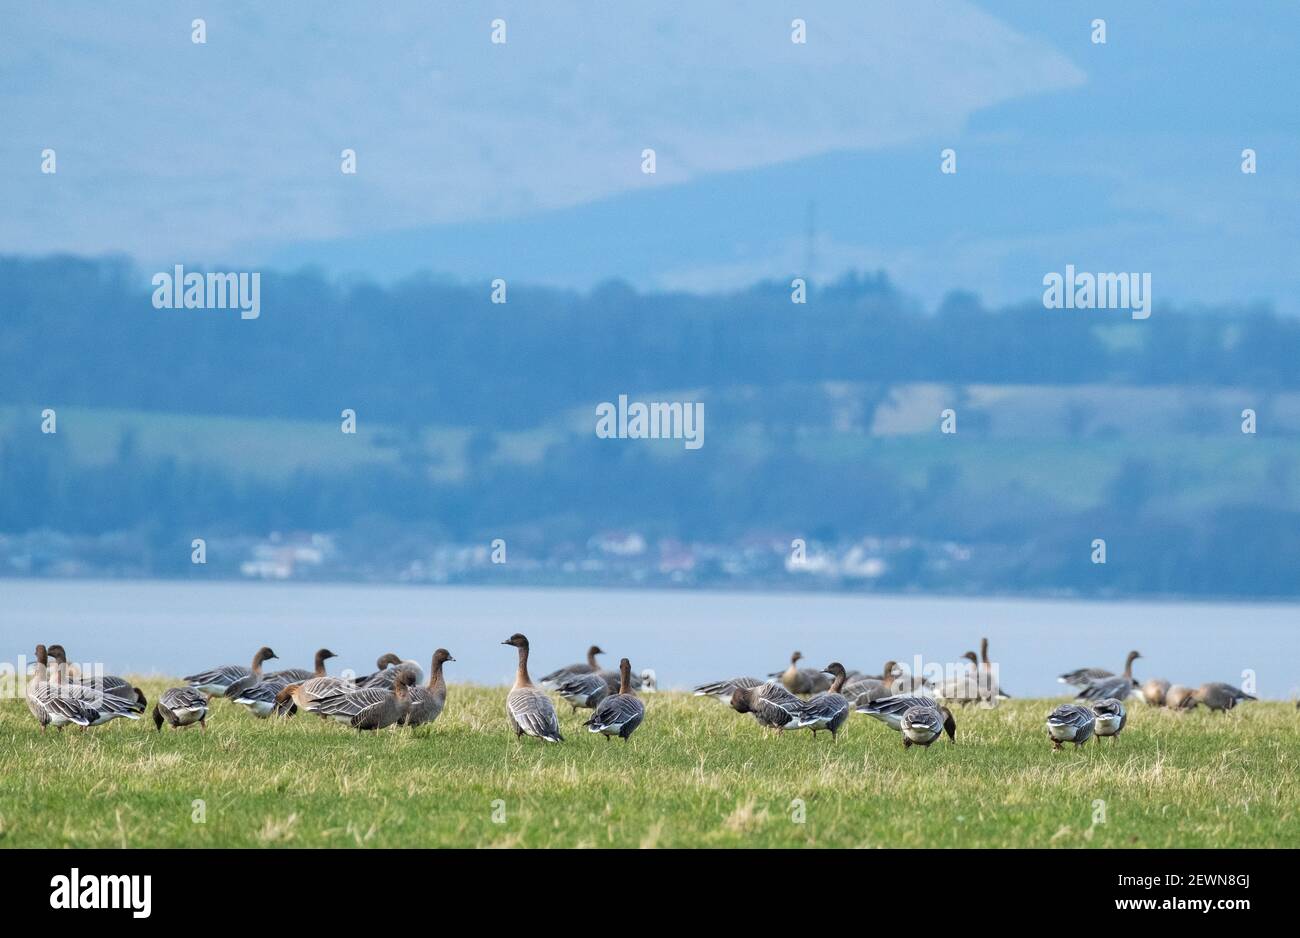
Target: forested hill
<point x="85" y="332"/>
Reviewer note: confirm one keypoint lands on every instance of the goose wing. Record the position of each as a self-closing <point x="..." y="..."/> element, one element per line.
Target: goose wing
<point x="1071" y="715"/>
<point x="352" y="704"/>
<point x="291" y="675"/>
<point x="534" y="713"/>
<point x="824" y="708"/>
<point x="726" y="688"/>
<point x="617" y="710"/>
<point x="583" y="689"/>
<point x="1082" y="677"/>
<point x="69" y="708"/>
<point x="890" y="709"/>
<point x="1118" y="687"/>
<point x="219" y="677"/>
<point x="775" y="705"/>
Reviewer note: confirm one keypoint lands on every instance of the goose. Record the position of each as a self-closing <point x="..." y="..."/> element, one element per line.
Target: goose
<point x="1084" y="677"/>
<point x="1070" y="723"/>
<point x="987" y="673"/>
<point x="583" y="690"/>
<point x="381" y="664"/>
<point x="590" y="666"/>
<point x="105" y="707"/>
<point x="426" y="703"/>
<point x="1220" y="697"/>
<point x="922" y="724"/>
<point x="180" y="707"/>
<point x="529" y="711"/>
<point x="370" y="708"/>
<point x="1154" y="691"/>
<point x="613" y="680"/>
<point x="618" y="714"/>
<point x="1179" y="697"/>
<point x="108" y="684"/>
<point x="384" y="679"/>
<point x="289" y="675"/>
<point x="228" y="680"/>
<point x="799" y="680"/>
<point x="963" y="688"/>
<point x="723" y="690"/>
<point x="50" y="708"/>
<point x="263" y="698"/>
<point x="866" y="689"/>
<point x="829" y="710"/>
<point x="890" y="710"/>
<point x="771" y="704"/>
<point x="303" y="696"/>
<point x="1110" y="718"/>
<point x="1120" y="688"/>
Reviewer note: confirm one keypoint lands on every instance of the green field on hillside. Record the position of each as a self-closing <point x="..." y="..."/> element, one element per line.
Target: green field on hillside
<point x="695" y="774"/>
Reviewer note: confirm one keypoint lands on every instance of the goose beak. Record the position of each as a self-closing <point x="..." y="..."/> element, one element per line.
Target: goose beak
<point x="505" y="643"/>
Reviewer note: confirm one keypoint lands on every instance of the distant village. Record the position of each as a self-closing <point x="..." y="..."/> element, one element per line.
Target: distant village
<point x="607" y="558"/>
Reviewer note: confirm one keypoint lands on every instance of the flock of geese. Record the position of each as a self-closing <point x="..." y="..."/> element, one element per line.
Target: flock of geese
<point x="396" y="693"/>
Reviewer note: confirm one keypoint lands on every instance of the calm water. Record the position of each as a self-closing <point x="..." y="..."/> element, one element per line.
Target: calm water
<point x="175" y="628"/>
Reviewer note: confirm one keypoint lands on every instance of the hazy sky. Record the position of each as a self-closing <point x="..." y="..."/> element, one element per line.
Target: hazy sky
<point x="475" y="158"/>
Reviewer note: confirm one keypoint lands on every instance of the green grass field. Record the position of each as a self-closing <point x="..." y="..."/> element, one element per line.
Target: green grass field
<point x="695" y="774"/>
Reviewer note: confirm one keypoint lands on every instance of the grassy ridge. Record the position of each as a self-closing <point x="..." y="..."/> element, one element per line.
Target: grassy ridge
<point x="695" y="774"/>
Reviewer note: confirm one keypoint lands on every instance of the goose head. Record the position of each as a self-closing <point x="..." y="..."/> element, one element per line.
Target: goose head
<point x="984" y="650"/>
<point x="519" y="640"/>
<point x="949" y="724"/>
<point x="403" y="682"/>
<point x="384" y="660"/>
<point x="42" y="655"/>
<point x="795" y="658"/>
<point x="834" y="669"/>
<point x="324" y="655"/>
<point x="157" y="718"/>
<point x="140" y="698"/>
<point x="1132" y="656"/>
<point x="440" y="656"/>
<point x="264" y="654"/>
<point x="740" y="701"/>
<point x="971" y="657"/>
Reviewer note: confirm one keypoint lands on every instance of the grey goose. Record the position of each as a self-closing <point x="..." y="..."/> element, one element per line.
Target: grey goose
<point x="370" y="708"/>
<point x="828" y="710"/>
<point x="290" y="675"/>
<point x="528" y="709"/>
<point x="382" y="663"/>
<point x="890" y="710"/>
<point x="1220" y="697"/>
<point x="1070" y="723"/>
<point x="799" y="680"/>
<point x="100" y="706"/>
<point x="618" y="714"/>
<point x="1109" y="718"/>
<point x="771" y="704"/>
<point x="263" y="698"/>
<point x="1082" y="678"/>
<point x="723" y="690"/>
<point x="108" y="684"/>
<point x="921" y="724"/>
<point x="49" y="708"/>
<point x="426" y="703"/>
<point x="228" y="680"/>
<point x="583" y="690"/>
<point x="590" y="666"/>
<point x="179" y="707"/>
